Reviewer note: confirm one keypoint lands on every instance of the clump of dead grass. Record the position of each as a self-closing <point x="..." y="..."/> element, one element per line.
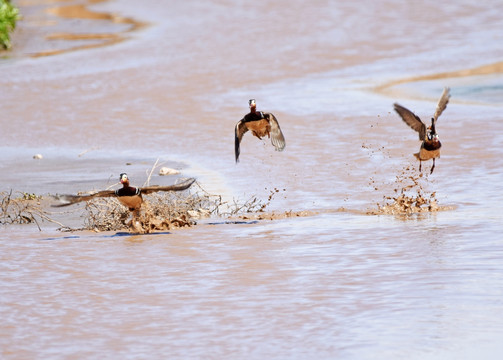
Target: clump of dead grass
<point x="22" y="208"/>
<point x="160" y="211"/>
<point x="167" y="210"/>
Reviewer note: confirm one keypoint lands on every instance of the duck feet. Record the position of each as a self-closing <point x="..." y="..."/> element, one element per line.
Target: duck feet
<point x="433" y="167"/>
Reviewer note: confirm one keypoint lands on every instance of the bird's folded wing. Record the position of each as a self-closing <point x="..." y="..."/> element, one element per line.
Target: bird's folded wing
<point x="177" y="187"/>
<point x="277" y="138"/>
<point x="66" y="200"/>
<point x="412" y="120"/>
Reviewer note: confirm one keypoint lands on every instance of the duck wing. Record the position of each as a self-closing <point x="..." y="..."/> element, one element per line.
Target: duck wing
<point x="412" y="120"/>
<point x="277" y="138"/>
<point x="239" y="131"/>
<point x="66" y="200"/>
<point x="442" y="104"/>
<point x="177" y="187"/>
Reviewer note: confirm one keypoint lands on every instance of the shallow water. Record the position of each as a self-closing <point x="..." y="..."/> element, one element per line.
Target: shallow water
<point x="171" y="86"/>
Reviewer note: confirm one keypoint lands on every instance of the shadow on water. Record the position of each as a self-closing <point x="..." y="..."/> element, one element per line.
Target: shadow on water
<point x="61" y="238"/>
<point x="116" y="235"/>
<point x="128" y="234"/>
<point x="233" y="222"/>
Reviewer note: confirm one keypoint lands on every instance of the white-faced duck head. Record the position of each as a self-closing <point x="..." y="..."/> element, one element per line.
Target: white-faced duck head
<point x="123" y="178"/>
<point x="431" y="134"/>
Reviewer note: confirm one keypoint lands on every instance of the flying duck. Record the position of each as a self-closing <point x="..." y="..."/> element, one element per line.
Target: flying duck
<point x="130" y="197"/>
<point x="260" y="124"/>
<point x="430" y="146"/>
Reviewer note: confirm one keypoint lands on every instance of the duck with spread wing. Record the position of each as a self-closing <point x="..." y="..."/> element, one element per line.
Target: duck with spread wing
<point x="260" y="124"/>
<point x="430" y="142"/>
<point x="129" y="196"/>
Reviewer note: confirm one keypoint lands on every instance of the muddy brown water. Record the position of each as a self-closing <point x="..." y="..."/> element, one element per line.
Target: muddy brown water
<point x="102" y="87"/>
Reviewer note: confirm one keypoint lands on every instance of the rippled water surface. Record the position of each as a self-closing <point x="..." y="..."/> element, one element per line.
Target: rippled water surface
<point x="102" y="87"/>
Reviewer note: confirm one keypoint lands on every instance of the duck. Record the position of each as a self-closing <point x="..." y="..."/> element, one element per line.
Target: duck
<point x="430" y="142"/>
<point x="260" y="124"/>
<point x="128" y="196"/>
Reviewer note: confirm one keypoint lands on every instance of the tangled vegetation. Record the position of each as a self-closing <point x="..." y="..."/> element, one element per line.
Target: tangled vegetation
<point x="160" y="211"/>
<point x="9" y="14"/>
<point x="22" y="209"/>
<point x="166" y="211"/>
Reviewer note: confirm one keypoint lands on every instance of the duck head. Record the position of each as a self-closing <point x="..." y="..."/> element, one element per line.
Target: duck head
<point x="124" y="179"/>
<point x="431" y="132"/>
<point x="433" y="137"/>
<point x="252" y="104"/>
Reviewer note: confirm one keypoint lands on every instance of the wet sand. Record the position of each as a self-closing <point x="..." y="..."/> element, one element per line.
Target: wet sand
<point x="121" y="86"/>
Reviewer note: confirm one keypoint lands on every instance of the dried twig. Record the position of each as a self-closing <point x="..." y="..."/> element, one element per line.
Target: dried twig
<point x="147" y="182"/>
<point x="24" y="209"/>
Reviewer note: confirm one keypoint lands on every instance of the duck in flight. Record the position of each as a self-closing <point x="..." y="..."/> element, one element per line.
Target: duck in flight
<point x="260" y="124"/>
<point x="130" y="197"/>
<point x="430" y="143"/>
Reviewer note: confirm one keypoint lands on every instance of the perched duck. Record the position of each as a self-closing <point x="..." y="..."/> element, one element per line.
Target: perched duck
<point x="128" y="196"/>
<point x="260" y="124"/>
<point x="430" y="146"/>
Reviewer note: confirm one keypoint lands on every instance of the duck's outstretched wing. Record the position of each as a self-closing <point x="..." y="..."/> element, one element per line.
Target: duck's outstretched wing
<point x="239" y="131"/>
<point x="277" y="138"/>
<point x="66" y="200"/>
<point x="442" y="104"/>
<point x="412" y="120"/>
<point x="177" y="187"/>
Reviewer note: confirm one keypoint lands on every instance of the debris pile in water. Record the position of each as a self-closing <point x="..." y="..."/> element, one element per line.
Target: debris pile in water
<point x="160" y="211"/>
<point x="22" y="209"/>
<point x="165" y="211"/>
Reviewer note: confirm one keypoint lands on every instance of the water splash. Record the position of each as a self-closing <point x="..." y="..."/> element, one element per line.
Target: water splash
<point x="411" y="194"/>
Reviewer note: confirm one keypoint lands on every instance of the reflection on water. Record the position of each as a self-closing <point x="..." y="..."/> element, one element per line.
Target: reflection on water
<point x="332" y="283"/>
